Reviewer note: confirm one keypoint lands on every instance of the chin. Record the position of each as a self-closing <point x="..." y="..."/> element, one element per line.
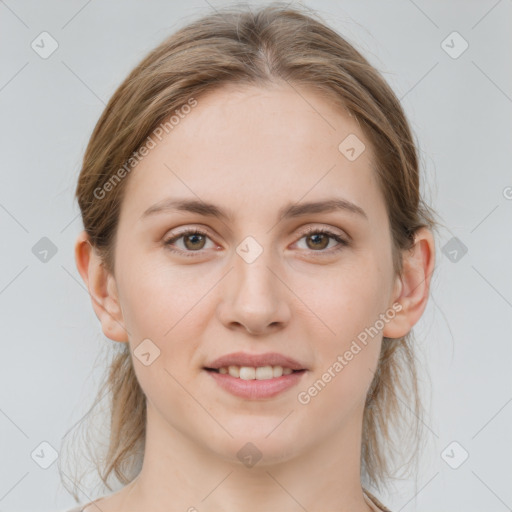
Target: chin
<point x="255" y="445"/>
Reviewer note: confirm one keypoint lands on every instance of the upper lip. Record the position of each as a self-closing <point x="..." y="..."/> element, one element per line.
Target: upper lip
<point x="255" y="360"/>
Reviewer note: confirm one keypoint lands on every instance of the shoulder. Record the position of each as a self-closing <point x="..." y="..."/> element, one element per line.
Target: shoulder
<point x="374" y="502"/>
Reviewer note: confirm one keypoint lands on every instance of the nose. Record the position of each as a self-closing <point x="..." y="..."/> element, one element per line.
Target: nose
<point x="255" y="299"/>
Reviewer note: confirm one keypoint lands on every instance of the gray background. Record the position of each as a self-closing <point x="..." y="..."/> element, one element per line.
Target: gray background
<point x="460" y="109"/>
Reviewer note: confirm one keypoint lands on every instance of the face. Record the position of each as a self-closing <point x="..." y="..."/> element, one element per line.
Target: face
<point x="200" y="286"/>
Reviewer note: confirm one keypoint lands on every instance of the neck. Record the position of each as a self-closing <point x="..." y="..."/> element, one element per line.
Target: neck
<point x="179" y="473"/>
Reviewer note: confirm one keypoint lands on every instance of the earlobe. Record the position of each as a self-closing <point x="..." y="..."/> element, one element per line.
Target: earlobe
<point x="102" y="289"/>
<point x="413" y="285"/>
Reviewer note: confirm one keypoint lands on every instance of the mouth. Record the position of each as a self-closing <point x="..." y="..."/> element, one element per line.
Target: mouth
<point x="254" y="373"/>
<point x="251" y="383"/>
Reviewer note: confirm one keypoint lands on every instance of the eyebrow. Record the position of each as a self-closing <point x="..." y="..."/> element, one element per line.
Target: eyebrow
<point x="289" y="211"/>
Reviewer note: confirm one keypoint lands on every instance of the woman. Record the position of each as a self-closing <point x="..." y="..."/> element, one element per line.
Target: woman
<point x="256" y="244"/>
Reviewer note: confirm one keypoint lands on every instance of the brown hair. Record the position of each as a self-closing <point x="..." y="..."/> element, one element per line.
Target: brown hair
<point x="275" y="43"/>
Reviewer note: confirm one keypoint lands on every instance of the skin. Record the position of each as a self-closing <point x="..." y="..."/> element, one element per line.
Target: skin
<point x="253" y="150"/>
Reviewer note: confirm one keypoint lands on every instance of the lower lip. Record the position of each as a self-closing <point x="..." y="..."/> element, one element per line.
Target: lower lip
<point x="255" y="389"/>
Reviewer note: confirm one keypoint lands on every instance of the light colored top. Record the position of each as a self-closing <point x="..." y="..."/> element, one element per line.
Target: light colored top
<point x="371" y="500"/>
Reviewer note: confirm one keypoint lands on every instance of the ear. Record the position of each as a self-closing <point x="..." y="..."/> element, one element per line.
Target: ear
<point x="412" y="287"/>
<point x="102" y="289"/>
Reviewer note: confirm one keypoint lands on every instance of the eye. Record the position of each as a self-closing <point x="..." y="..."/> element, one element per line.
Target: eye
<point x="319" y="240"/>
<point x="193" y="239"/>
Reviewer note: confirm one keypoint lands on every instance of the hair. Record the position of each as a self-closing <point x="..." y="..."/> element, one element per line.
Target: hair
<point x="271" y="45"/>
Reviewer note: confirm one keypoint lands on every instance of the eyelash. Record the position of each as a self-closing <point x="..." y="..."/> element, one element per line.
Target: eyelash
<point x="310" y="231"/>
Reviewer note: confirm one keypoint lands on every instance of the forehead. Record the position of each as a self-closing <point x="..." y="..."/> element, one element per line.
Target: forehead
<point x="254" y="149"/>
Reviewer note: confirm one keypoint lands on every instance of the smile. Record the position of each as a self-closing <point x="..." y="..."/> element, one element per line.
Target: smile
<point x="251" y="372"/>
<point x="255" y="383"/>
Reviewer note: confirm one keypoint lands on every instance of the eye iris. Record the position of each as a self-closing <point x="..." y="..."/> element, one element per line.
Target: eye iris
<point x="194" y="236"/>
<point x="315" y="236"/>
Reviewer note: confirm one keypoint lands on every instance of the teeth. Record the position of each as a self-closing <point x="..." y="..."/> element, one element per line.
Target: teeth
<point x="259" y="373"/>
<point x="234" y="371"/>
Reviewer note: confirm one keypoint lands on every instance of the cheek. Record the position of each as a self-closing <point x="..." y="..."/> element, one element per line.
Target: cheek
<point x="347" y="309"/>
<point x="157" y="295"/>
<point x="172" y="307"/>
<point x="348" y="358"/>
<point x="343" y="300"/>
<point x="164" y="305"/>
